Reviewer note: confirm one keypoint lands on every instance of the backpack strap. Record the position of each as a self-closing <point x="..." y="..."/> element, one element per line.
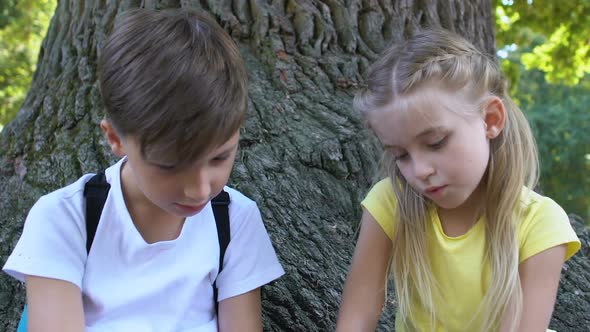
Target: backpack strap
<point x="220" y="205"/>
<point x="95" y="192"/>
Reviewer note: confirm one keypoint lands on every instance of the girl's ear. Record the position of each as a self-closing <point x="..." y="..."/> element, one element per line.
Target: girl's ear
<point x="494" y="117"/>
<point x="115" y="141"/>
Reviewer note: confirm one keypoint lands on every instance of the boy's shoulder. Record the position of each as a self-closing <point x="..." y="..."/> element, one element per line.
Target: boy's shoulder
<point x="68" y="195"/>
<point x="239" y="202"/>
<point x="71" y="196"/>
<point x="237" y="196"/>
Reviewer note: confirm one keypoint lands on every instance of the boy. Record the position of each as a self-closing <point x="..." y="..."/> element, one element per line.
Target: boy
<point x="175" y="94"/>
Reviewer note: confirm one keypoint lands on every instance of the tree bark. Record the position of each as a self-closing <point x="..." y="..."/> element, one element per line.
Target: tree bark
<point x="305" y="156"/>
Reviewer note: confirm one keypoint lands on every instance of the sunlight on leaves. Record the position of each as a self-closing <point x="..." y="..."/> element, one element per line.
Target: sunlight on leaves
<point x="23" y="25"/>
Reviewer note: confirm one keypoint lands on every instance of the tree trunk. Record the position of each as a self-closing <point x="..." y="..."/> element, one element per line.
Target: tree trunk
<point x="305" y="156"/>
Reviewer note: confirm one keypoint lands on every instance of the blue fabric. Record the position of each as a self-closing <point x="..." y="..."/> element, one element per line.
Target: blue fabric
<point x="22" y="325"/>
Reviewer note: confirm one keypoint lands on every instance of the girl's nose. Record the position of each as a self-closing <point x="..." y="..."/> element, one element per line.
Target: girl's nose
<point x="422" y="169"/>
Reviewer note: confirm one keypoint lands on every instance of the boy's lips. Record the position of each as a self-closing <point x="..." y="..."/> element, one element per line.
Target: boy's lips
<point x="190" y="208"/>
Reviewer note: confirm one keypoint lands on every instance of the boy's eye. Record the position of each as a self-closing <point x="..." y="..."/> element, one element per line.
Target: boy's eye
<point x="221" y="158"/>
<point x="166" y="168"/>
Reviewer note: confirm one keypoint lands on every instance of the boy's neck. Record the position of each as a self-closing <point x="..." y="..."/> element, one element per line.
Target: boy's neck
<point x="152" y="223"/>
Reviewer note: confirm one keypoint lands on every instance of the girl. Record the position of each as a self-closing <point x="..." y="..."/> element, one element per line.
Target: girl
<point x="470" y="245"/>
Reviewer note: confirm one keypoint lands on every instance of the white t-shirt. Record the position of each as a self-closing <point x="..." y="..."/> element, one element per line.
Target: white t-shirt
<point x="130" y="285"/>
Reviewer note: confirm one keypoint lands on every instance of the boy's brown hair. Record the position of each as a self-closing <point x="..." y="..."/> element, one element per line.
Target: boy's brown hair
<point x="174" y="81"/>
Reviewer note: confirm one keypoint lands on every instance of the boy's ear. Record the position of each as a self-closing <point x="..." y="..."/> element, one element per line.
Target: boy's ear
<point x="115" y="141"/>
<point x="494" y="117"/>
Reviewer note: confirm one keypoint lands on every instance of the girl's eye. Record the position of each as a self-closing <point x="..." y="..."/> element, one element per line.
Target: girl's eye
<point x="401" y="157"/>
<point x="439" y="144"/>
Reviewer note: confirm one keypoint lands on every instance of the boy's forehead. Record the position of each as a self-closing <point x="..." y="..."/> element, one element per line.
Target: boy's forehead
<point x="170" y="153"/>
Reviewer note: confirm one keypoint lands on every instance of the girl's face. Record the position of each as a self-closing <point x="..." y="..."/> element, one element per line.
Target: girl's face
<point x="440" y="143"/>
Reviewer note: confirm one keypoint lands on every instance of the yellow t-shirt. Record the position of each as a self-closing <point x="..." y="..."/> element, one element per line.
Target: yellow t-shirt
<point x="456" y="261"/>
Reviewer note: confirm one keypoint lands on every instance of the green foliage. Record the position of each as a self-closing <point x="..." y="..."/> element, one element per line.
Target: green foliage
<point x="8" y="12"/>
<point x="564" y="53"/>
<point x="23" y="24"/>
<point x="545" y="50"/>
<point x="560" y="117"/>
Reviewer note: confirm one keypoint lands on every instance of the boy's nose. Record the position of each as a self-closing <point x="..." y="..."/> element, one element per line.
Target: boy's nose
<point x="198" y="187"/>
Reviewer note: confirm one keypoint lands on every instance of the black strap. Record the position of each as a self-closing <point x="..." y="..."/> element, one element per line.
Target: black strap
<point x="220" y="206"/>
<point x="97" y="189"/>
<point x="95" y="192"/>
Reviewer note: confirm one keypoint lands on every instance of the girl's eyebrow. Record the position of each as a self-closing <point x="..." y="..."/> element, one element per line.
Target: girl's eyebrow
<point x="429" y="131"/>
<point x="423" y="133"/>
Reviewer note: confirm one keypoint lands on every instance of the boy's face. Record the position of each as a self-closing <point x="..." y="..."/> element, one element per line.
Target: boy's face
<point x="182" y="192"/>
<point x="440" y="142"/>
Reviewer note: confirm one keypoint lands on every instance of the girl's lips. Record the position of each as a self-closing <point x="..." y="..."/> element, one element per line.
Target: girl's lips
<point x="434" y="190"/>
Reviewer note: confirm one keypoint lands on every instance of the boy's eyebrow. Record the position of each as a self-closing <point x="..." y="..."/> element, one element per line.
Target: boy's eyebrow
<point x="423" y="133"/>
<point x="159" y="163"/>
<point x="164" y="163"/>
<point x="228" y="149"/>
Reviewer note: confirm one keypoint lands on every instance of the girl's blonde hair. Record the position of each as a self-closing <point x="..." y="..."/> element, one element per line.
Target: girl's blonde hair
<point x="453" y="62"/>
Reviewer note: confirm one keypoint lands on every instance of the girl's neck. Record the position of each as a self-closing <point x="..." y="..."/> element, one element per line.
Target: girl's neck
<point x="458" y="221"/>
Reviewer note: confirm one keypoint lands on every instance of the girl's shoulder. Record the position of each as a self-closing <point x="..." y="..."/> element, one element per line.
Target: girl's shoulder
<point x="534" y="204"/>
<point x="380" y="202"/>
<point x="382" y="190"/>
<point x="544" y="224"/>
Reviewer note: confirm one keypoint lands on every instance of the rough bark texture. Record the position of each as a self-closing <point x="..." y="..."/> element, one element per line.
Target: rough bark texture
<point x="305" y="156"/>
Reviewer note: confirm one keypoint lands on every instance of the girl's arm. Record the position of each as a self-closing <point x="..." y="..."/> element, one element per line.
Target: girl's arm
<point x="53" y="305"/>
<point x="241" y="313"/>
<point x="364" y="291"/>
<point x="539" y="277"/>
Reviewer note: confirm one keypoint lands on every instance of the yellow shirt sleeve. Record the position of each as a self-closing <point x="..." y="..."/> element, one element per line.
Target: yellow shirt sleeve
<point x="380" y="203"/>
<point x="544" y="226"/>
